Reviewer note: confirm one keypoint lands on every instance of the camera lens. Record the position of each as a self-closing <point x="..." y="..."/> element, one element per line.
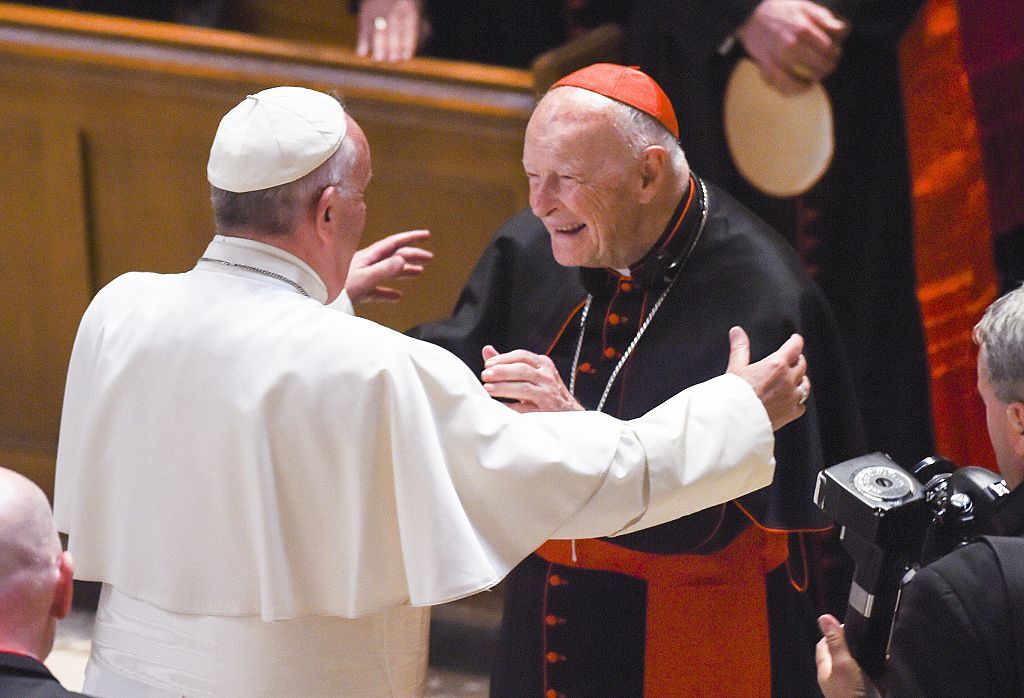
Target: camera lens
<point x="882" y="483"/>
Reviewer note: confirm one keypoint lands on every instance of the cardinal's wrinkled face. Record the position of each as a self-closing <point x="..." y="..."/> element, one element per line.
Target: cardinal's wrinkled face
<point x="585" y="181"/>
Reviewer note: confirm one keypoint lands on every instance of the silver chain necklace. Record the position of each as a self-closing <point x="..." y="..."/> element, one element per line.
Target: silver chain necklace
<point x="271" y="274"/>
<point x="646" y="322"/>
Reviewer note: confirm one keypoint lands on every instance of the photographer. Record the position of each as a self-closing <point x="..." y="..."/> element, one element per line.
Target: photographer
<point x="960" y="627"/>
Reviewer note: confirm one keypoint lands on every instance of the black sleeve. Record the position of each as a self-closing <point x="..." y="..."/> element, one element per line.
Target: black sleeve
<point x="516" y="297"/>
<point x="480" y="314"/>
<point x="951" y="635"/>
<point x="829" y="432"/>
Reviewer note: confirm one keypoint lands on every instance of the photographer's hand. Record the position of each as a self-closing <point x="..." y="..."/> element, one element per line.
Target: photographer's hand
<point x="839" y="675"/>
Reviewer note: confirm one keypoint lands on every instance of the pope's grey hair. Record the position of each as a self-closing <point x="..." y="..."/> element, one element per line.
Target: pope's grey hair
<point x="278" y="210"/>
<point x="1000" y="333"/>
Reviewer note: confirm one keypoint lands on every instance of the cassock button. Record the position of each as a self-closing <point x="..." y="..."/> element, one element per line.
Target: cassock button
<point x="625" y="287"/>
<point x="553" y="620"/>
<point x="610" y="353"/>
<point x="613" y="319"/>
<point x="554" y="580"/>
<point x="585" y="367"/>
<point x="554" y="657"/>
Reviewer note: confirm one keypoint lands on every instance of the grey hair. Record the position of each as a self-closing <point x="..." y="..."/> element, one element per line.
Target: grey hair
<point x="1000" y="332"/>
<point x="277" y="210"/>
<point x="640" y="130"/>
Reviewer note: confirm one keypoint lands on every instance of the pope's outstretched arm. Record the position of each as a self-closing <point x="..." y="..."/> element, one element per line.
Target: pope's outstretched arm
<point x="710" y="443"/>
<point x="531" y="380"/>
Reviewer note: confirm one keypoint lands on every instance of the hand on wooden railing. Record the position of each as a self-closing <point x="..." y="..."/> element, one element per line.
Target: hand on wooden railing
<point x="391" y="30"/>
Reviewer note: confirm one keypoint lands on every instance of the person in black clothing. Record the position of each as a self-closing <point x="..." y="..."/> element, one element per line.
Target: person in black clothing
<point x="35" y="588"/>
<point x="616" y="289"/>
<point x="497" y="32"/>
<point x="854" y="229"/>
<point x="960" y="627"/>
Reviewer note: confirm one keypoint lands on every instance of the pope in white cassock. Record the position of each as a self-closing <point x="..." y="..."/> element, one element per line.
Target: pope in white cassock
<point x="273" y="491"/>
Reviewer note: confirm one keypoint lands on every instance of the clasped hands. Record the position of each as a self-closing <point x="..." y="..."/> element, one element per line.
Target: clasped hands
<point x="532" y="384"/>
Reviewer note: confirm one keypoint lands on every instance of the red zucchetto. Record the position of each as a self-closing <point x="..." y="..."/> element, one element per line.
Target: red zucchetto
<point x="628" y="85"/>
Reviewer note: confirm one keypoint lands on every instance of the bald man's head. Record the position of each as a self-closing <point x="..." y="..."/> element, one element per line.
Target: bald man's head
<point x="35" y="575"/>
<point x="28" y="539"/>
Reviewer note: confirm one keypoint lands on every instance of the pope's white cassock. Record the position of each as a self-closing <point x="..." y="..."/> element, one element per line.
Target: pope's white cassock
<point x="272" y="491"/>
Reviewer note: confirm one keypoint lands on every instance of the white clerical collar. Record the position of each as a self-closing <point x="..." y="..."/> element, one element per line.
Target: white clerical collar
<point x="277" y="265"/>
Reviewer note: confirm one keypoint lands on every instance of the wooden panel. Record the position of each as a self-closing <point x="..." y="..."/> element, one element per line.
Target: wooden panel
<point x="44" y="281"/>
<point x="38" y="467"/>
<point x="107" y="124"/>
<point x="956" y="278"/>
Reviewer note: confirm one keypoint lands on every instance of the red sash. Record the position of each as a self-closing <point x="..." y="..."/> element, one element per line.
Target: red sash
<point x="707" y="617"/>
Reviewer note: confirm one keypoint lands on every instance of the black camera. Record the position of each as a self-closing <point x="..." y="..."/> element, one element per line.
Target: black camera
<point x="894" y="522"/>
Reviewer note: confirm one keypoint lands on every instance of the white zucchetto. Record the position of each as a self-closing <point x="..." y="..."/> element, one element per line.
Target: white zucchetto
<point x="274" y="137"/>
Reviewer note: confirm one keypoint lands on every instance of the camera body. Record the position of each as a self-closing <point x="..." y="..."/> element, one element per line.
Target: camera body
<point x="892" y="523"/>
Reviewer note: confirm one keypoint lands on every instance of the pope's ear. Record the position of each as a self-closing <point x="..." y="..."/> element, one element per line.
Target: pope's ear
<point x="324" y="204"/>
<point x="323" y="213"/>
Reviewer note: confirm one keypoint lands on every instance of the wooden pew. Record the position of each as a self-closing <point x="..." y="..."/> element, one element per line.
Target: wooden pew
<point x="105" y="127"/>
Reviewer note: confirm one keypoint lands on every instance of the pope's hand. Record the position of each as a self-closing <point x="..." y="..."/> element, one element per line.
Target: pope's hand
<point x="529" y="380"/>
<point x="795" y="43"/>
<point x="390" y="30"/>
<point x="780" y="379"/>
<point x="394" y="257"/>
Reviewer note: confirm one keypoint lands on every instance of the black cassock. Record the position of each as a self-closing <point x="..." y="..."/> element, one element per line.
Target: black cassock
<point x="960" y="629"/>
<point x="856" y="224"/>
<point x="740" y="272"/>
